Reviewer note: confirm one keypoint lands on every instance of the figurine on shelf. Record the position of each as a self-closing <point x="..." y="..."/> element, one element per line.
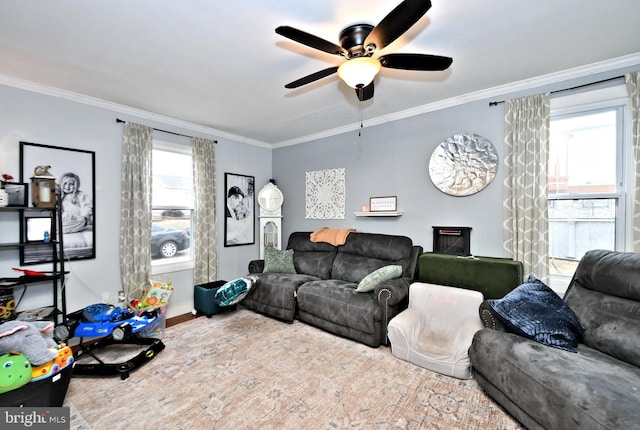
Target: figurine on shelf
<point x="4" y="196"/>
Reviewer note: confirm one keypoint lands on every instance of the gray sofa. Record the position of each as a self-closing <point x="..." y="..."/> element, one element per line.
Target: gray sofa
<point x="322" y="291"/>
<point x="598" y="387"/>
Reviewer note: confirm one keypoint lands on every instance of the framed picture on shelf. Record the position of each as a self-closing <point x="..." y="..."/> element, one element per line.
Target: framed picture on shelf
<point x="383" y="204"/>
<point x="74" y="173"/>
<point x="18" y="193"/>
<point x="239" y="222"/>
<point x="36" y="229"/>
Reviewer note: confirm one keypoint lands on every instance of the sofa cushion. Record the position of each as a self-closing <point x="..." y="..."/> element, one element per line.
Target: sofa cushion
<point x="365" y="252"/>
<point x="557" y="388"/>
<point x="369" y="282"/>
<point x="536" y="312"/>
<point x="275" y="294"/>
<point x="311" y="258"/>
<point x="277" y="261"/>
<point x="337" y="301"/>
<point x="605" y="294"/>
<point x="610" y="272"/>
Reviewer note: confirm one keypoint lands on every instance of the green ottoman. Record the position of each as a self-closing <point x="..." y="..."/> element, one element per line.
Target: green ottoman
<point x="203" y="302"/>
<point x="493" y="277"/>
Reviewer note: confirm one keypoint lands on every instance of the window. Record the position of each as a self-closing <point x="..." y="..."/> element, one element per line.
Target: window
<point x="586" y="182"/>
<point x="172" y="204"/>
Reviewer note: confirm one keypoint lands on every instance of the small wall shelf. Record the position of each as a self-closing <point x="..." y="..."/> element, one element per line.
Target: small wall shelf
<point x="385" y="213"/>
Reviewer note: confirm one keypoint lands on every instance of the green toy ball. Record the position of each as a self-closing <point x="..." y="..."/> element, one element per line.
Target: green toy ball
<point x="15" y="371"/>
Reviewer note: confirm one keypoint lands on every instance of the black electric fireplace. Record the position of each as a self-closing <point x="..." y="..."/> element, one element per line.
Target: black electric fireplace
<point x="452" y="240"/>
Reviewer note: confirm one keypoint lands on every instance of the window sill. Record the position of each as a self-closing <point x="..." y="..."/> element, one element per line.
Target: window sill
<point x="171" y="267"/>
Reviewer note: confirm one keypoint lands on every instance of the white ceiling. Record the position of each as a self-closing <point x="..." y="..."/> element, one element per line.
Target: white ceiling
<point x="219" y="65"/>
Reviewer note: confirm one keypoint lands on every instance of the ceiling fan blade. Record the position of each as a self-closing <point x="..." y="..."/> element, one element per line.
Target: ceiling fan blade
<point x="365" y="93"/>
<point x="310" y="40"/>
<point x="415" y="62"/>
<point x="312" y="77"/>
<point x="397" y="22"/>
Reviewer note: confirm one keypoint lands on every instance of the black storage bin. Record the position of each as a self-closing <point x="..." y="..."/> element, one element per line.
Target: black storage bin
<point x="203" y="302"/>
<point x="48" y="392"/>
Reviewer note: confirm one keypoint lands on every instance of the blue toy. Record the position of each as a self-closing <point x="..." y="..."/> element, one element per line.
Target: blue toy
<point x="115" y="326"/>
<point x="100" y="320"/>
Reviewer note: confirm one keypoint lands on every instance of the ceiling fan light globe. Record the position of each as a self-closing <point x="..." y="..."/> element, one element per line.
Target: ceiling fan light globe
<point x="359" y="71"/>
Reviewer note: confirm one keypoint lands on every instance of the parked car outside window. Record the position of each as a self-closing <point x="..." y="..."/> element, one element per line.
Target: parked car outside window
<point x="166" y="241"/>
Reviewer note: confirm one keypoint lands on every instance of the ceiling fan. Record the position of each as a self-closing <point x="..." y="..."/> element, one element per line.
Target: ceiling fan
<point x="359" y="43"/>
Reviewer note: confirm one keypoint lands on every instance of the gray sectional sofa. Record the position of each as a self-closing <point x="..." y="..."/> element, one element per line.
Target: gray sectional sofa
<point x="597" y="387"/>
<point x="322" y="291"/>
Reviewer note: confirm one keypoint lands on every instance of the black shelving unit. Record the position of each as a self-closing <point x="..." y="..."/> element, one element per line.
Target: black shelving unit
<point x="55" y="278"/>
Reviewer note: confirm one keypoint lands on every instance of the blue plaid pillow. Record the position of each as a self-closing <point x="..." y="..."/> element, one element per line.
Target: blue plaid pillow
<point x="234" y="291"/>
<point x="535" y="311"/>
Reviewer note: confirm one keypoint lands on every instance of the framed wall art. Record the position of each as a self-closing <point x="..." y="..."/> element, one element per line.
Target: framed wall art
<point x="239" y="221"/>
<point x="18" y="193"/>
<point x="383" y="204"/>
<point x="463" y="164"/>
<point x="325" y="192"/>
<point x="74" y="173"/>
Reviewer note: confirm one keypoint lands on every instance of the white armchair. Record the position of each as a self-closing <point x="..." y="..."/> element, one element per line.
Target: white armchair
<point x="436" y="330"/>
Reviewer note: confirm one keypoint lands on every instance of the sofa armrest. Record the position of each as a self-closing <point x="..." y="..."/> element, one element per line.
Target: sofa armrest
<point x="256" y="266"/>
<point x="488" y="318"/>
<point x="392" y="291"/>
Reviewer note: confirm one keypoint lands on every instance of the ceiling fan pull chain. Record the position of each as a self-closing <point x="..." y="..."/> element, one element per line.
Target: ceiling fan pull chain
<point x="361" y="118"/>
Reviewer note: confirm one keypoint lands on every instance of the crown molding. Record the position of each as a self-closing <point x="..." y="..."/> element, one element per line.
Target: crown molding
<point x="501" y="90"/>
<point x="124" y="110"/>
<point x="498" y="91"/>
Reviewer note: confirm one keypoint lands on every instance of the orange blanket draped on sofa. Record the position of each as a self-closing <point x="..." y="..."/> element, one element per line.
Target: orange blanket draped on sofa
<point x="334" y="236"/>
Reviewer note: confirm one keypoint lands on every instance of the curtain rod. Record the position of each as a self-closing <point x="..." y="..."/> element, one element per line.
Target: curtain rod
<point x="165" y="131"/>
<point x="569" y="89"/>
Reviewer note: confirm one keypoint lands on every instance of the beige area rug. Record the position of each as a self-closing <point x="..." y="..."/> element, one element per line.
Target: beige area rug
<point x="242" y="370"/>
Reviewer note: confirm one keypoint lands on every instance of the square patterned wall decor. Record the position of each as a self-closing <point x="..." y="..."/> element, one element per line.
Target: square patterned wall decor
<point x="325" y="194"/>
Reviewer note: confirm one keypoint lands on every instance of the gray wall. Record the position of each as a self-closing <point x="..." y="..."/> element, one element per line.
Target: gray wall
<point x="393" y="159"/>
<point x="37" y="118"/>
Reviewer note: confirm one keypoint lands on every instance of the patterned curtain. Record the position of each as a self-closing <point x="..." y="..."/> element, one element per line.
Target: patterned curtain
<point x="526" y="227"/>
<point x="135" y="211"/>
<point x="204" y="214"/>
<point x="633" y="88"/>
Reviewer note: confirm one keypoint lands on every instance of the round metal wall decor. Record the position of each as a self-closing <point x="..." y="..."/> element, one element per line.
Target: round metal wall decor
<point x="464" y="164"/>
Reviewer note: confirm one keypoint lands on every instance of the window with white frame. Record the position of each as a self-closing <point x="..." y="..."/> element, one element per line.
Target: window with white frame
<point x="586" y="179"/>
<point x="172" y="204"/>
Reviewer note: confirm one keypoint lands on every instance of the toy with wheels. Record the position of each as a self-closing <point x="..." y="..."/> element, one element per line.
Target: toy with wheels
<point x="65" y="358"/>
<point x="102" y="320"/>
<point x="113" y="325"/>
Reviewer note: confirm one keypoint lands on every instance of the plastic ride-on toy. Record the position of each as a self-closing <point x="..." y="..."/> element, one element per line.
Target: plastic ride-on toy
<point x="114" y="326"/>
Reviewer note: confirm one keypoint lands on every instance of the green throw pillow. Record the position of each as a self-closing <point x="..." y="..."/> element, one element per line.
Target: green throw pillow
<point x="385" y="273"/>
<point x="276" y="261"/>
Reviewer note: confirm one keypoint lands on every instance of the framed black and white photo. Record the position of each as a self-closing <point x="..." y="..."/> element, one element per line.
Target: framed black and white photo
<point x="17" y="192"/>
<point x="239" y="221"/>
<point x="74" y="173"/>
